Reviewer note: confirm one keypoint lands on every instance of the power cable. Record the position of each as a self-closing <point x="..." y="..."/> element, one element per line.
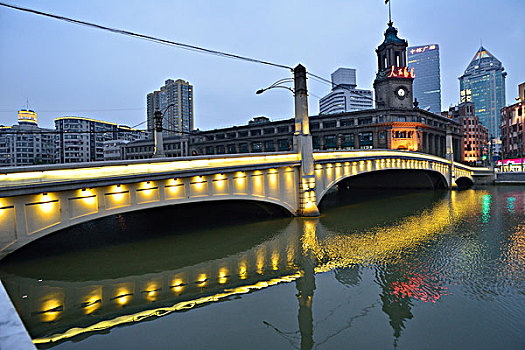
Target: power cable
<point x="326" y="81"/>
<point x="146" y="37"/>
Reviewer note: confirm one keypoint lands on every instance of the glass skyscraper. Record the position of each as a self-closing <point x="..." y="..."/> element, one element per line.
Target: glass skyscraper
<point x="483" y="83"/>
<point x="427" y="83"/>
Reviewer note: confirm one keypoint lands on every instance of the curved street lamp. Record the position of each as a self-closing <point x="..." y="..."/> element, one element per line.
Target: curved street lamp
<point x="278" y="84"/>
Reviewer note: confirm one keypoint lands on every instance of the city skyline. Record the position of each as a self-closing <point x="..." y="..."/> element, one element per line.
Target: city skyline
<point x="65" y="68"/>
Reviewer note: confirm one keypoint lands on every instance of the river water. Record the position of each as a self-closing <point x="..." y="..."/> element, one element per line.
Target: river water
<point x="378" y="270"/>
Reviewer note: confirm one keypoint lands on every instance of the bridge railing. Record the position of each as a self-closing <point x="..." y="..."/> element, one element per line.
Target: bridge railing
<point x="34" y="178"/>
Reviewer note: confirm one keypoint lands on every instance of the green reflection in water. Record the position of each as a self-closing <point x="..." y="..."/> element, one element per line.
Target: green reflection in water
<point x="510" y="204"/>
<point x="486" y="208"/>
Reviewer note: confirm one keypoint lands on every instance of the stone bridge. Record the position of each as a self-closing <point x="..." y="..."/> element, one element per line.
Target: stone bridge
<point x="39" y="200"/>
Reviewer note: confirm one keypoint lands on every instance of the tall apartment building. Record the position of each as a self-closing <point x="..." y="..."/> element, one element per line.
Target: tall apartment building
<point x="475" y="145"/>
<point x="483" y="83"/>
<point x="26" y="143"/>
<point x="513" y="127"/>
<point x="427" y="82"/>
<point x="82" y="139"/>
<point x="345" y="97"/>
<point x="179" y="117"/>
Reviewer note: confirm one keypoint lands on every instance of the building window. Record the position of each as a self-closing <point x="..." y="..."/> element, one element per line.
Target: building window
<point x="257" y="146"/>
<point x="365" y="139"/>
<point x="284" y="145"/>
<point x="330" y="142"/>
<point x="347" y="122"/>
<point x="329" y="125"/>
<point x="347" y="141"/>
<point x="243" y="148"/>
<point x="269" y="146"/>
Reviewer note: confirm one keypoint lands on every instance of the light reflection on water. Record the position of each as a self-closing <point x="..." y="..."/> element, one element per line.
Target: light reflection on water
<point x="462" y="254"/>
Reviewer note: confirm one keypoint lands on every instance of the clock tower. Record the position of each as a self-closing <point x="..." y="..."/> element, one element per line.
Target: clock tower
<point x="393" y="83"/>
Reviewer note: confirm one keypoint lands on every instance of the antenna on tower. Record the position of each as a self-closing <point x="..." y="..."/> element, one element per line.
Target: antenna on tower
<point x="27" y="103"/>
<point x="389" y="12"/>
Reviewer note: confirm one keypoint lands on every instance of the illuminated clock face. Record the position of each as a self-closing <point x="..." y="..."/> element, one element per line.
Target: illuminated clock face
<point x="401" y="93"/>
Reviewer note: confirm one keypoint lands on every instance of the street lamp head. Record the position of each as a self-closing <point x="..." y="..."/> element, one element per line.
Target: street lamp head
<point x="260" y="91"/>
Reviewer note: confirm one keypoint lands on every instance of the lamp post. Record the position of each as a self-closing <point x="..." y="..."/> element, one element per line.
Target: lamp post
<point x="158" y="150"/>
<point x="302" y="140"/>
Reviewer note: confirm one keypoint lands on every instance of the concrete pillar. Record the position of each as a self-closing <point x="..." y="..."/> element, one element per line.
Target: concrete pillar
<point x="450" y="158"/>
<point x="302" y="144"/>
<point x="158" y="150"/>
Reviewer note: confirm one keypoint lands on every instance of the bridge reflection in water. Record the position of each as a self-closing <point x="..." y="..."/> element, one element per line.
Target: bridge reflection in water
<point x="58" y="309"/>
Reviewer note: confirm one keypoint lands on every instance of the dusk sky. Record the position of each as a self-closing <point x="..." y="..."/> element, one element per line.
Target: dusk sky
<point x="66" y="69"/>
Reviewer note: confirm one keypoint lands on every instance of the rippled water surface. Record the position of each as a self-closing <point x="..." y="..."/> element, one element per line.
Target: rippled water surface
<point x="377" y="270"/>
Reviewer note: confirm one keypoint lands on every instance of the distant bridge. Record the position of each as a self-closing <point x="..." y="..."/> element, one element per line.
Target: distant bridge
<point x="36" y="201"/>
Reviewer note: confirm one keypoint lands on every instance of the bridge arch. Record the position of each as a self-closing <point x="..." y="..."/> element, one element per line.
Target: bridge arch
<point x="390" y="178"/>
<point x="464" y="182"/>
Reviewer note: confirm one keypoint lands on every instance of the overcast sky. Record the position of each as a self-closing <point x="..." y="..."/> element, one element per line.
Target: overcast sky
<point x="66" y="69"/>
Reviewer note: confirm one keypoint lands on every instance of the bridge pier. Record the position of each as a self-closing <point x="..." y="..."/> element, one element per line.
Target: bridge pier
<point x="303" y="145"/>
<point x="450" y="157"/>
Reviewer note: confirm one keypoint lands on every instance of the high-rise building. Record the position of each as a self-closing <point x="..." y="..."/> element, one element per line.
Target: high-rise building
<point x="82" y="139"/>
<point x="513" y="127"/>
<point x="345" y="97"/>
<point x="26" y="143"/>
<point x="483" y="83"/>
<point x="175" y="100"/>
<point x="427" y="82"/>
<point x="475" y="144"/>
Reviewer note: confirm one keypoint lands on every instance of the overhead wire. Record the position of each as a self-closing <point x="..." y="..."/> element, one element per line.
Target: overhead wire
<point x="146" y="37"/>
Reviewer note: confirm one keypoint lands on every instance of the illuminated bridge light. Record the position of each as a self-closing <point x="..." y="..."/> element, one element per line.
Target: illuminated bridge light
<point x="46" y="203"/>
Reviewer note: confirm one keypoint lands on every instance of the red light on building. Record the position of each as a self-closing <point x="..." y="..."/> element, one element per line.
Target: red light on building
<point x="401" y="72"/>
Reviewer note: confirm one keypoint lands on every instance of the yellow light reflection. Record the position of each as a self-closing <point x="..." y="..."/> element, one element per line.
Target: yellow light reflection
<point x="243" y="273"/>
<point x="123" y="296"/>
<point x="178" y="285"/>
<point x="201" y="281"/>
<point x="181" y="306"/>
<point x="223" y="276"/>
<point x="91" y="304"/>
<point x="275" y="260"/>
<point x="51" y="310"/>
